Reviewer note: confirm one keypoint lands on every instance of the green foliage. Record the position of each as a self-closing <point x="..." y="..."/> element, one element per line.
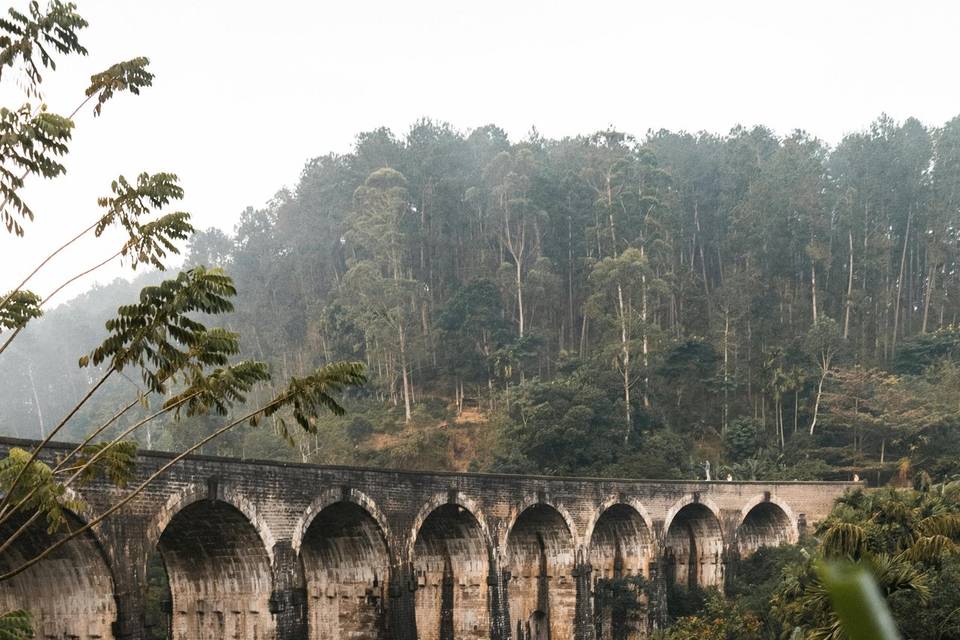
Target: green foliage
<point x="156" y="334"/>
<point x="624" y="601"/>
<point x="903" y="540"/>
<point x="359" y="429"/>
<point x="823" y="339"/>
<point x="472" y="320"/>
<point x="672" y="273"/>
<point x="32" y="483"/>
<point x="130" y="75"/>
<point x="717" y="620"/>
<point x="750" y="581"/>
<point x="423" y="450"/>
<point x="845" y="539"/>
<point x="29" y="39"/>
<point x="16" y="625"/>
<point x="741" y="440"/>
<point x="925" y="350"/>
<point x="147" y="241"/>
<point x="217" y="390"/>
<point x="159" y="603"/>
<point x="307" y="396"/>
<point x="938" y="619"/>
<point x="684" y="601"/>
<point x="858" y="603"/>
<point x="31" y="142"/>
<point x="560" y="427"/>
<point x="20" y="308"/>
<point x="688" y="384"/>
<point x="113" y="461"/>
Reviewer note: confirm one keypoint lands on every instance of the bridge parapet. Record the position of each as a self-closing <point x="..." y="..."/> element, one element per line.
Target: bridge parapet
<point x="295" y="551"/>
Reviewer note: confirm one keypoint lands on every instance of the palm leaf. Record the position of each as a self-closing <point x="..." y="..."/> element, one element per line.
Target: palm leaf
<point x="929" y="549"/>
<point x="844" y="539"/>
<point x="943" y="524"/>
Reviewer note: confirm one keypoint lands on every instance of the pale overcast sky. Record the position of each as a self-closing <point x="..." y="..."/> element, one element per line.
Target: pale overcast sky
<point x="246" y="92"/>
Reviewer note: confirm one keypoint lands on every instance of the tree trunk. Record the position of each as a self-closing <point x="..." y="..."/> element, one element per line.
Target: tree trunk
<point x="896" y="306"/>
<point x="726" y="378"/>
<point x="813" y="289"/>
<point x="780" y="420"/>
<point x="698" y="239"/>
<point x="846" y="318"/>
<point x="570" y="278"/>
<point x="407" y="412"/>
<point x="796" y="410"/>
<point x="519" y="297"/>
<point x="583" y="335"/>
<point x="816" y="403"/>
<point x="625" y="356"/>
<point x="36" y="401"/>
<point x="645" y="346"/>
<point x="931" y="283"/>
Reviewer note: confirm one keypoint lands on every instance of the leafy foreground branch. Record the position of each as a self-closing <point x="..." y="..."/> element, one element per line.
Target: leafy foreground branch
<point x="304" y="397"/>
<point x="159" y="336"/>
<point x="183" y="361"/>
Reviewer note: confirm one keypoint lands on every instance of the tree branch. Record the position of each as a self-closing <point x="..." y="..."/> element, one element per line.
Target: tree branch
<point x="5" y="501"/>
<point x="92" y="523"/>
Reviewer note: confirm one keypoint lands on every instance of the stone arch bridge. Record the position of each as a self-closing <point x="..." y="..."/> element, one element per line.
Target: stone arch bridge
<point x="266" y="550"/>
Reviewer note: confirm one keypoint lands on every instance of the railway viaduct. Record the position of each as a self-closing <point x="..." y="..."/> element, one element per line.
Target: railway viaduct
<point x="265" y="550"/>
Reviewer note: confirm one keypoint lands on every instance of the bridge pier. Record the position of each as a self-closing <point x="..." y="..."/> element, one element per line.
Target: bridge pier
<point x="288" y="601"/>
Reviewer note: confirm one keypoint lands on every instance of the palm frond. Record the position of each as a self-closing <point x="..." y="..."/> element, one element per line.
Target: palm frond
<point x="942" y="524"/>
<point x="844" y="539"/>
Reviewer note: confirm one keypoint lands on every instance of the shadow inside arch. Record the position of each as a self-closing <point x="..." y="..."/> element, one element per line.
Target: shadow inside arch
<point x="450" y="560"/>
<point x="49" y="589"/>
<point x="346" y="564"/>
<point x="218" y="571"/>
<point x="541" y="557"/>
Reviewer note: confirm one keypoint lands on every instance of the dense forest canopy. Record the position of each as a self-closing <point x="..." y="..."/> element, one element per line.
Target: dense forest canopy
<point x="592" y="304"/>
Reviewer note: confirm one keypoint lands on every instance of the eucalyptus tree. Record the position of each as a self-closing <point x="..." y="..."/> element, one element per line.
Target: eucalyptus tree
<point x="518" y="219"/>
<point x="378" y="286"/>
<point x="386" y="309"/>
<point x="940" y="231"/>
<point x="609" y="175"/>
<point x="822" y="344"/>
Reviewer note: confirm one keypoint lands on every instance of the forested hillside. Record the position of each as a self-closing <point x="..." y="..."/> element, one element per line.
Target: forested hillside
<point x="602" y="304"/>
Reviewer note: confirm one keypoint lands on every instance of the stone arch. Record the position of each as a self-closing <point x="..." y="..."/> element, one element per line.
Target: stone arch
<point x="530" y="500"/>
<point x="686" y="500"/>
<point x="621" y="543"/>
<point x="612" y="500"/>
<point x="450" y="557"/>
<point x="217" y="555"/>
<point x="440" y="499"/>
<point x="195" y="493"/>
<point x="70" y="592"/>
<point x="346" y="563"/>
<point x="540" y="554"/>
<point x="765" y="521"/>
<point x="693" y="544"/>
<point x="329" y="496"/>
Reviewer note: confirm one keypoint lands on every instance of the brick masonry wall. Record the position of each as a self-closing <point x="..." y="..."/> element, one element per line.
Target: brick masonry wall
<point x="289" y="551"/>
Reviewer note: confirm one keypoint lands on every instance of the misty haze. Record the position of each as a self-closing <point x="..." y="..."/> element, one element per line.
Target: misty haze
<point x="536" y="321"/>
